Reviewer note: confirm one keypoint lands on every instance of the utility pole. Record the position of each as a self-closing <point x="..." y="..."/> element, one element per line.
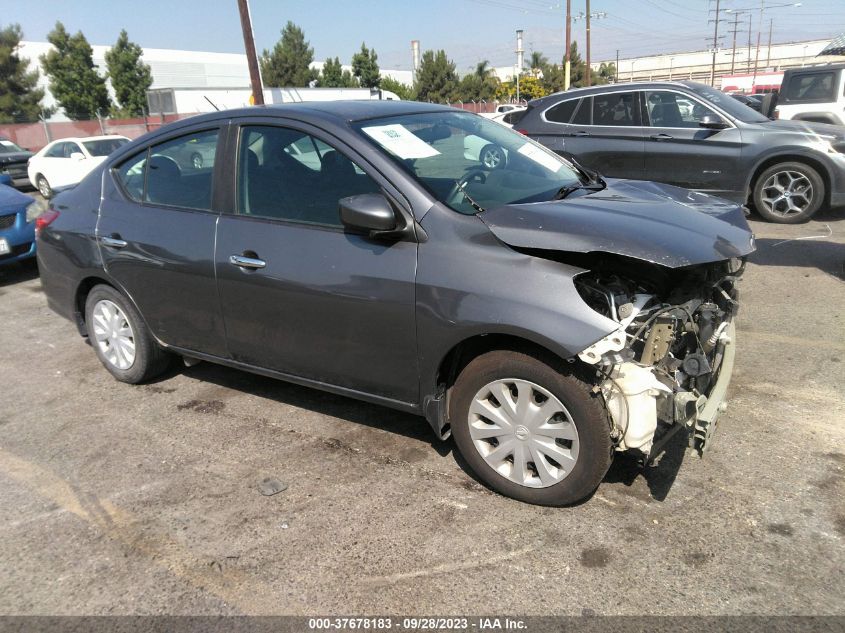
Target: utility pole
<point x="748" y="61"/>
<point x="566" y="73"/>
<point x="616" y="72"/>
<point x="733" y="48"/>
<point x="769" y="48"/>
<point x="589" y="16"/>
<point x="757" y="52"/>
<point x="251" y="59"/>
<point x="587" y="69"/>
<point x="715" y="45"/>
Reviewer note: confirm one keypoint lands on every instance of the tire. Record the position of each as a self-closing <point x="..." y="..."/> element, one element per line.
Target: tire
<point x="196" y="160"/>
<point x="802" y="183"/>
<point x="492" y="156"/>
<point x="148" y="359"/>
<point x="590" y="452"/>
<point x="43" y="186"/>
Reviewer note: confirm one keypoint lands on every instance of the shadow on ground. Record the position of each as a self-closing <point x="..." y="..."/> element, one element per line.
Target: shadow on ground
<point x="16" y="273"/>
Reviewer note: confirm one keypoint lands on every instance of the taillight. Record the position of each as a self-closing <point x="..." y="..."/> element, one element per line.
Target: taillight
<point x="523" y="132"/>
<point x="45" y="219"/>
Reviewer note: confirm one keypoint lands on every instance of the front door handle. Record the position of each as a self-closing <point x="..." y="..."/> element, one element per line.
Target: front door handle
<point x="113" y="241"/>
<point x="246" y="262"/>
<point x="661" y="137"/>
<point x="581" y="133"/>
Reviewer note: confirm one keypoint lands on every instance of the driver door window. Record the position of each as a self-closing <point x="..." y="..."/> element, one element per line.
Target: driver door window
<point x="671" y="109"/>
<point x="285" y="174"/>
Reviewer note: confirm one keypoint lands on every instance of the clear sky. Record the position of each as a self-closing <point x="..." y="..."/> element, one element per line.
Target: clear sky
<point x="469" y="30"/>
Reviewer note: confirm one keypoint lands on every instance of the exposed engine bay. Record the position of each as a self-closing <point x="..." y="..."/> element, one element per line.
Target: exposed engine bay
<point x="667" y="366"/>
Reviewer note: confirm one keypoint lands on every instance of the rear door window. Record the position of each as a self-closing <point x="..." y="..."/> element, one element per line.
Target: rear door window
<point x="562" y="112"/>
<point x="176" y="173"/>
<point x="583" y="115"/>
<point x="811" y="87"/>
<point x="615" y="109"/>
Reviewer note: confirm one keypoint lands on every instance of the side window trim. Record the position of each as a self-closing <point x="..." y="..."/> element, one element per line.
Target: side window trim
<point x="557" y="105"/>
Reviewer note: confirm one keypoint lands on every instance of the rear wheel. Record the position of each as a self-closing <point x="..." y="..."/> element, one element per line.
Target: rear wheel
<point x="529" y="430"/>
<point x="788" y="193"/>
<point x="120" y="337"/>
<point x="492" y="156"/>
<point x="43" y="186"/>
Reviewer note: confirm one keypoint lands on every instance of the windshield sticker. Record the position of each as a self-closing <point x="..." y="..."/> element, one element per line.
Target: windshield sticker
<point x="540" y="157"/>
<point x="399" y="140"/>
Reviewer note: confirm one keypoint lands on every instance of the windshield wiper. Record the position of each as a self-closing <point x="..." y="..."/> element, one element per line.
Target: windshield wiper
<point x="563" y="192"/>
<point x="478" y="208"/>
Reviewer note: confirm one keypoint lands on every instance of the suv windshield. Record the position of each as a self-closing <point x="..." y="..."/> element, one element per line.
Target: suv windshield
<point x="104" y="147"/>
<point x="470" y="163"/>
<point x="7" y="147"/>
<point x="737" y="110"/>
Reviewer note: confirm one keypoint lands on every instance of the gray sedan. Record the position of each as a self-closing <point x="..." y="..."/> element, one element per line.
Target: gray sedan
<point x="542" y="316"/>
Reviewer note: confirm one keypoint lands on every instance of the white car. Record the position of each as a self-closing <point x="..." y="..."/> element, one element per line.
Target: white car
<point x="67" y="161"/>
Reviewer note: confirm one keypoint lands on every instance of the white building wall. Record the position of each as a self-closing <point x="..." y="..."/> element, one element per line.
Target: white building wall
<point x="176" y="69"/>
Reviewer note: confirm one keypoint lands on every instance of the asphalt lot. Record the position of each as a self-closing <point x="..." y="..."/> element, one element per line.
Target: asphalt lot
<point x="117" y="499"/>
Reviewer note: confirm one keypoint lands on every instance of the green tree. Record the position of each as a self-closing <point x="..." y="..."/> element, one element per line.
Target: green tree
<point x="553" y="79"/>
<point x="479" y="85"/>
<point x="20" y="100"/>
<point x="538" y="61"/>
<point x="607" y="73"/>
<point x="288" y="64"/>
<point x="437" y="80"/>
<point x="333" y="75"/>
<point x="577" y="67"/>
<point x="530" y="87"/>
<point x="403" y="91"/>
<point x="74" y="81"/>
<point x="130" y="77"/>
<point x="365" y="67"/>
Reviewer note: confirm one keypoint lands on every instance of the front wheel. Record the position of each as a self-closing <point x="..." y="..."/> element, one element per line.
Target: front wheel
<point x="529" y="430"/>
<point x="788" y="193"/>
<point x="120" y="337"/>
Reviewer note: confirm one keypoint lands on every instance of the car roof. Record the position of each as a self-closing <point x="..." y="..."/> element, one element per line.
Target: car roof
<point x="811" y="69"/>
<point x="329" y="110"/>
<point x="574" y="93"/>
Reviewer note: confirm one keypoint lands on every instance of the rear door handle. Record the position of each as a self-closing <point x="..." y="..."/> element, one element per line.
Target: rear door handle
<point x="113" y="242"/>
<point x="661" y="137"/>
<point x="246" y="262"/>
<point x="581" y="133"/>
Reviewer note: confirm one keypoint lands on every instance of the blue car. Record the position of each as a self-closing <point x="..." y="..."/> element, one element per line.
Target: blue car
<point x="17" y="223"/>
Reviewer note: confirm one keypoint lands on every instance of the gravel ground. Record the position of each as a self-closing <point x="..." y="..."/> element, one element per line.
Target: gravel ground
<point x="144" y="500"/>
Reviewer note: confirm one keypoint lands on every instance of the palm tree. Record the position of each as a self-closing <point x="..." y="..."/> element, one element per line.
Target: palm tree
<point x="482" y="69"/>
<point x="538" y="60"/>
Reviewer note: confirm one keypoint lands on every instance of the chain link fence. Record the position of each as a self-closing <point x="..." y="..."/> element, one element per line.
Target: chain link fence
<point x="33" y="135"/>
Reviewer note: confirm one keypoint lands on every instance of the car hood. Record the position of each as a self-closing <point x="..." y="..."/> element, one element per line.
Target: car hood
<point x="658" y="223"/>
<point x="12" y="199"/>
<point x="807" y="128"/>
<point x="15" y="157"/>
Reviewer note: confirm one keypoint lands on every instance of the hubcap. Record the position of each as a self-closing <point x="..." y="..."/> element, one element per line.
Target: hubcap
<point x="787" y="193"/>
<point x="113" y="334"/>
<point x="491" y="158"/>
<point x="523" y="432"/>
<point x="43" y="188"/>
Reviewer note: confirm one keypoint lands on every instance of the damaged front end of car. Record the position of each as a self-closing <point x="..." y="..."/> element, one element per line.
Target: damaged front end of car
<point x="667" y="366"/>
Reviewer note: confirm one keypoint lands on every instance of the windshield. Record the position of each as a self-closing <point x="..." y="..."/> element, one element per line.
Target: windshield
<point x="470" y="163"/>
<point x="736" y="109"/>
<point x="7" y="147"/>
<point x="105" y="146"/>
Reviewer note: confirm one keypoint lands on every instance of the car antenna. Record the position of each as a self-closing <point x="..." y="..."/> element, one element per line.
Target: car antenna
<point x="211" y="102"/>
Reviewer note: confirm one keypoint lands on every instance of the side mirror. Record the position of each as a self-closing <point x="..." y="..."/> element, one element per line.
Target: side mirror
<point x="370" y="212"/>
<point x="5" y="179"/>
<point x="713" y="122"/>
<point x="77" y="156"/>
